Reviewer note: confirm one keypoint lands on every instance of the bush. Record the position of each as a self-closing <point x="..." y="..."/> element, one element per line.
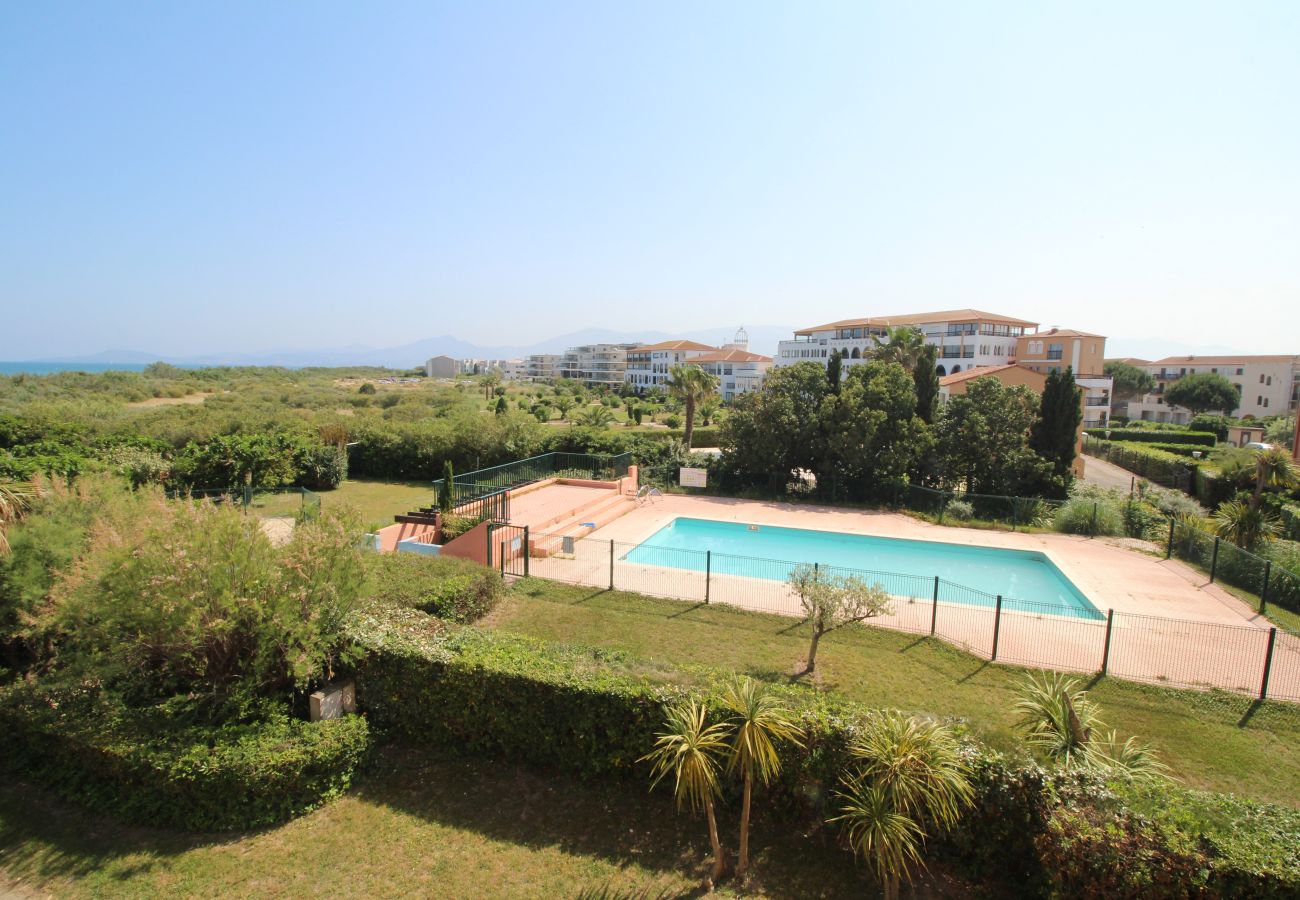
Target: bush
<point x="152" y="766"/>
<point x="1144" y="435"/>
<point x="1217" y="425"/>
<point x="443" y="586"/>
<point x="454" y="526"/>
<point x="960" y="510"/>
<point x="1092" y="517"/>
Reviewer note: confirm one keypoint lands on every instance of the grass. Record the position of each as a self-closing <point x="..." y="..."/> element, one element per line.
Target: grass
<point x="1210" y="740"/>
<point x="376" y="501"/>
<point x="423" y="825"/>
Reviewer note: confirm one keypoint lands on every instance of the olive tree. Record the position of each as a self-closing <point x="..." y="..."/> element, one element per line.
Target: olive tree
<point x="832" y="601"/>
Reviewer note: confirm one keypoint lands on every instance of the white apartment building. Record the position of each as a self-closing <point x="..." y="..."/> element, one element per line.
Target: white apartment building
<point x="965" y="338"/>
<point x="738" y="371"/>
<point x="441" y="367"/>
<point x="541" y="366"/>
<point x="1270" y="385"/>
<point x="649" y="364"/>
<point x="595" y="365"/>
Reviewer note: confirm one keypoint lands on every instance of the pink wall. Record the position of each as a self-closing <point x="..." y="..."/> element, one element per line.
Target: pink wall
<point x="400" y="531"/>
<point x="470" y="545"/>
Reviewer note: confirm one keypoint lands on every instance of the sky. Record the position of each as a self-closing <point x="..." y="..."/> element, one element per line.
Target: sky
<point x="188" y="177"/>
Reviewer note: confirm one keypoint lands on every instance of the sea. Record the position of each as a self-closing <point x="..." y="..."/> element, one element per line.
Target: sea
<point x="53" y="368"/>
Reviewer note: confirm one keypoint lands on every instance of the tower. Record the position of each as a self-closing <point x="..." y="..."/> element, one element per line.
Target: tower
<point x="740" y="341"/>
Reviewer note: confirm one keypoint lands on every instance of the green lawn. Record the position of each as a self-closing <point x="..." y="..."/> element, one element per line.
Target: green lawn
<point x="421" y="825"/>
<point x="1214" y="741"/>
<point x="376" y="501"/>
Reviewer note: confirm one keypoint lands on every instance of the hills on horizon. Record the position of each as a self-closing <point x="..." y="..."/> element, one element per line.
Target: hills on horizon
<point x="762" y="339"/>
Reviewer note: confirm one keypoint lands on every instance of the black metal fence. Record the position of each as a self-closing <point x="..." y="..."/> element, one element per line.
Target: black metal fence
<point x="483" y="482"/>
<point x="247" y="497"/>
<point x="1228" y="563"/>
<point x="1258" y="661"/>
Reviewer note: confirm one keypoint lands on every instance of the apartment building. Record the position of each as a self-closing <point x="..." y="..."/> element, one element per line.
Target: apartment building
<point x="541" y="366"/>
<point x="965" y="338"/>
<point x="1270" y="385"/>
<point x="648" y="365"/>
<point x="738" y="371"/>
<point x="595" y="365"/>
<point x="1054" y="349"/>
<point x="441" y="367"/>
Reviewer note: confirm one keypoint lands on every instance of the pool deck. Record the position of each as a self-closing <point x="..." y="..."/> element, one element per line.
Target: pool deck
<point x="1110" y="575"/>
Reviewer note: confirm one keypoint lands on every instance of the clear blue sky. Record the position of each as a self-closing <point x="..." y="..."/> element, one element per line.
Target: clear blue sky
<point x="190" y="177"/>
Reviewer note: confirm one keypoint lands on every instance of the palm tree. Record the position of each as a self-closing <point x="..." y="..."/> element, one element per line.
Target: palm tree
<point x="1060" y="720"/>
<point x="691" y="385"/>
<point x="1245" y="524"/>
<point x="563" y="403"/>
<point x="596" y="417"/>
<point x="690" y="749"/>
<point x="15" y="502"/>
<point x="912" y="779"/>
<point x="490" y="382"/>
<point x="1274" y="468"/>
<point x="761" y="721"/>
<point x="902" y="345"/>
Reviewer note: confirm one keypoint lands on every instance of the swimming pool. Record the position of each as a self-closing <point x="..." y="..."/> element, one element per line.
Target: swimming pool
<point x="1026" y="579"/>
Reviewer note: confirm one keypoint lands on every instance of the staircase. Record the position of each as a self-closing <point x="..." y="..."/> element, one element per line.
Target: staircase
<point x="578" y="523"/>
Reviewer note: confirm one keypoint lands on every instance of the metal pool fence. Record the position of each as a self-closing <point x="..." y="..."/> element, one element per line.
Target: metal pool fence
<point x="483" y="482"/>
<point x="246" y="497"/>
<point x="1257" y="661"/>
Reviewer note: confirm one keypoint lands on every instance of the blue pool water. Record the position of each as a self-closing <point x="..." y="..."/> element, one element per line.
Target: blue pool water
<point x="1026" y="579"/>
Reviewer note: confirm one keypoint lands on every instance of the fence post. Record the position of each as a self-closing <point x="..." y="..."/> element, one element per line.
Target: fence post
<point x="1105" y="650"/>
<point x="503" y="559"/>
<point x="1268" y="663"/>
<point x="708" y="573"/>
<point x="527" y="551"/>
<point x="611" y="565"/>
<point x="490" y="529"/>
<point x="997" y="626"/>
<point x="934" y="608"/>
<point x="1214" y="560"/>
<point x="943" y="507"/>
<point x="1169" y="548"/>
<point x="1092" y="532"/>
<point x="1263" y="592"/>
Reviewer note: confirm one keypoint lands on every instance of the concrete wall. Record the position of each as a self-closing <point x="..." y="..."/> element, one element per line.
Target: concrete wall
<point x="400" y="531"/>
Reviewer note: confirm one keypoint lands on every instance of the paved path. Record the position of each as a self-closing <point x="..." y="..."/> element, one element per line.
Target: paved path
<point x="1106" y="474"/>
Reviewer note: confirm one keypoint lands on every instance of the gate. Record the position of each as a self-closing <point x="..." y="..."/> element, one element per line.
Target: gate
<point x="508" y="548"/>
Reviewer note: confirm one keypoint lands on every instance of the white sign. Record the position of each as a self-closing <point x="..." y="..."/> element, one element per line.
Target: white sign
<point x="688" y="477"/>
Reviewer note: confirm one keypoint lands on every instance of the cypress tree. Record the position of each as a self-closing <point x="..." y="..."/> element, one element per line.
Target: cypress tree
<point x="1059" y="416"/>
<point x="833" y="371"/>
<point x="926" y="377"/>
<point x="444" y="492"/>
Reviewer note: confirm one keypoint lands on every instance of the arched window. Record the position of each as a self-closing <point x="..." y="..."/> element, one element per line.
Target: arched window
<point x="940" y="371"/>
<point x="855" y="354"/>
<point x="956" y="369"/>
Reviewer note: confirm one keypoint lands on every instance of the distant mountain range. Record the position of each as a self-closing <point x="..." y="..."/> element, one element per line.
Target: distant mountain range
<point x="762" y="339"/>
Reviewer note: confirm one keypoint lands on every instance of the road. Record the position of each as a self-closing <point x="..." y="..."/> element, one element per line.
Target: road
<point x="1100" y="472"/>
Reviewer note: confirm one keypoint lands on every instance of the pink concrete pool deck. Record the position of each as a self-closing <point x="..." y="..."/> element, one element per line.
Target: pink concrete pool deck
<point x="1111" y="576"/>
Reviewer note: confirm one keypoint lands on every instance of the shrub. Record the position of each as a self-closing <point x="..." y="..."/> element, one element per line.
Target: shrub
<point x="1144" y="435"/>
<point x="454" y="526"/>
<point x="1093" y="517"/>
<point x="960" y="510"/>
<point x="443" y="586"/>
<point x="153" y="766"/>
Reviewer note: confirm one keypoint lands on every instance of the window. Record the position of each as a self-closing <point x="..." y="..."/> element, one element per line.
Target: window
<point x="1055" y="351"/>
<point x="1240" y="371"/>
<point x="1261" y="377"/>
<point x="1270" y="381"/>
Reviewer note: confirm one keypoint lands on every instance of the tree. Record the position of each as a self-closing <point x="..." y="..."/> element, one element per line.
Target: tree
<point x="446" y="501"/>
<point x="708" y="409"/>
<point x="902" y="345"/>
<point x="501" y="406"/>
<point x="1056" y="430"/>
<point x="1274" y="469"/>
<point x="366" y="388"/>
<point x="1061" y="722"/>
<point x="870" y="435"/>
<point x="1204" y="392"/>
<point x="983" y="438"/>
<point x="563" y="403"/>
<point x="691" y="385"/>
<point x="490" y="382"/>
<point x="925" y="374"/>
<point x="834" y="371"/>
<point x="690" y="750"/>
<point x="15" y="502"/>
<point x="911" y="780"/>
<point x="761" y="721"/>
<point x="830" y="602"/>
<point x="1130" y="382"/>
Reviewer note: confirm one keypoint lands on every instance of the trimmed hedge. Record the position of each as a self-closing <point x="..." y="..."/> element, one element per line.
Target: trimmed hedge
<point x="1147" y="435"/>
<point x="154" y="766"/>
<point x="595" y="712"/>
<point x="702" y="436"/>
<point x="456" y="589"/>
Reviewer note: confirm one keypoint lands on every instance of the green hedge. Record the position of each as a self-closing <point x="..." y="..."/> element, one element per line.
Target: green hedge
<point x="592" y="711"/>
<point x="443" y="586"/>
<point x="1159" y="466"/>
<point x="154" y="766"/>
<point x="1147" y="435"/>
<point x="702" y="436"/>
<point x="1289" y="516"/>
